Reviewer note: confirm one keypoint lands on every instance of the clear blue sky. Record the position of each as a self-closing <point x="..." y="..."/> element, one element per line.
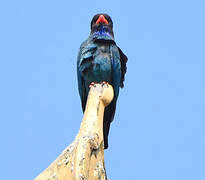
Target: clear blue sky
<point x="159" y="128"/>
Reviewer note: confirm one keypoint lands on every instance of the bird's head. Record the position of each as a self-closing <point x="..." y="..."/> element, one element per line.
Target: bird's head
<point x="102" y="26"/>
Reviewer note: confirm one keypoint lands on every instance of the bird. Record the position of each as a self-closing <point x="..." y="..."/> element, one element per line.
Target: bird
<point x="100" y="60"/>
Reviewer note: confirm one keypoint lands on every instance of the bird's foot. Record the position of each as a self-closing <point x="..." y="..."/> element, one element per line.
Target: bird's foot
<point x="92" y="84"/>
<point x="105" y="84"/>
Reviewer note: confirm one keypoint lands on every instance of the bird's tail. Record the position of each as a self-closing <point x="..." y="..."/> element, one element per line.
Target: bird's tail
<point x="108" y="118"/>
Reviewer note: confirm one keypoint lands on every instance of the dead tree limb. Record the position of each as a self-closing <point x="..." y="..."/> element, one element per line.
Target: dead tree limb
<point x="84" y="158"/>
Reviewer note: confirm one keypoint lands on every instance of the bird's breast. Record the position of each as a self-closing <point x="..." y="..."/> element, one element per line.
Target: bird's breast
<point x="101" y="65"/>
<point x="102" y="60"/>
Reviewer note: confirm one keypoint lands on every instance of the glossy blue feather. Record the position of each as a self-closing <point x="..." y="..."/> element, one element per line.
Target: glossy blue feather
<point x="98" y="62"/>
<point x="100" y="59"/>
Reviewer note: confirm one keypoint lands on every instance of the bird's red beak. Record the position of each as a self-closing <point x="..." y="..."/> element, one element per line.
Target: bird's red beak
<point x="102" y="19"/>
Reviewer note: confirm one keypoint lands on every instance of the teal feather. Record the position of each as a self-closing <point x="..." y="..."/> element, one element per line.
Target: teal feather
<point x="100" y="59"/>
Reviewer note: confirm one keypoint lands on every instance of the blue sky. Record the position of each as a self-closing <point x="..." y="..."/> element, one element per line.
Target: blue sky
<point x="158" y="132"/>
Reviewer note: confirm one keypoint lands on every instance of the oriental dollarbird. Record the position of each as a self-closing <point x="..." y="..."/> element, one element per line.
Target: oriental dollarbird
<point x="100" y="60"/>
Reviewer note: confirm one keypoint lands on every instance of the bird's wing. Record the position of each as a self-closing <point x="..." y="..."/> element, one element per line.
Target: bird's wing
<point x="116" y="80"/>
<point x="116" y="69"/>
<point x="85" y="56"/>
<point x="123" y="61"/>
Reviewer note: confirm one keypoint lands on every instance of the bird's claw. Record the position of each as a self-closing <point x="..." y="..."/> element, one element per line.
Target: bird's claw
<point x="92" y="84"/>
<point x="105" y="84"/>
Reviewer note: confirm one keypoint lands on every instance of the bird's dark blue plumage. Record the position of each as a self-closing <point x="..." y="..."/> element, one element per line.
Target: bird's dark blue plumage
<point x="100" y="59"/>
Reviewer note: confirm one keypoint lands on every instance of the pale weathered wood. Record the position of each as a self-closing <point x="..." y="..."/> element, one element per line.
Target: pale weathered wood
<point x="84" y="158"/>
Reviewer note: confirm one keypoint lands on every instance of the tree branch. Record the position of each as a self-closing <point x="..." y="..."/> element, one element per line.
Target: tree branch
<point x="84" y="158"/>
